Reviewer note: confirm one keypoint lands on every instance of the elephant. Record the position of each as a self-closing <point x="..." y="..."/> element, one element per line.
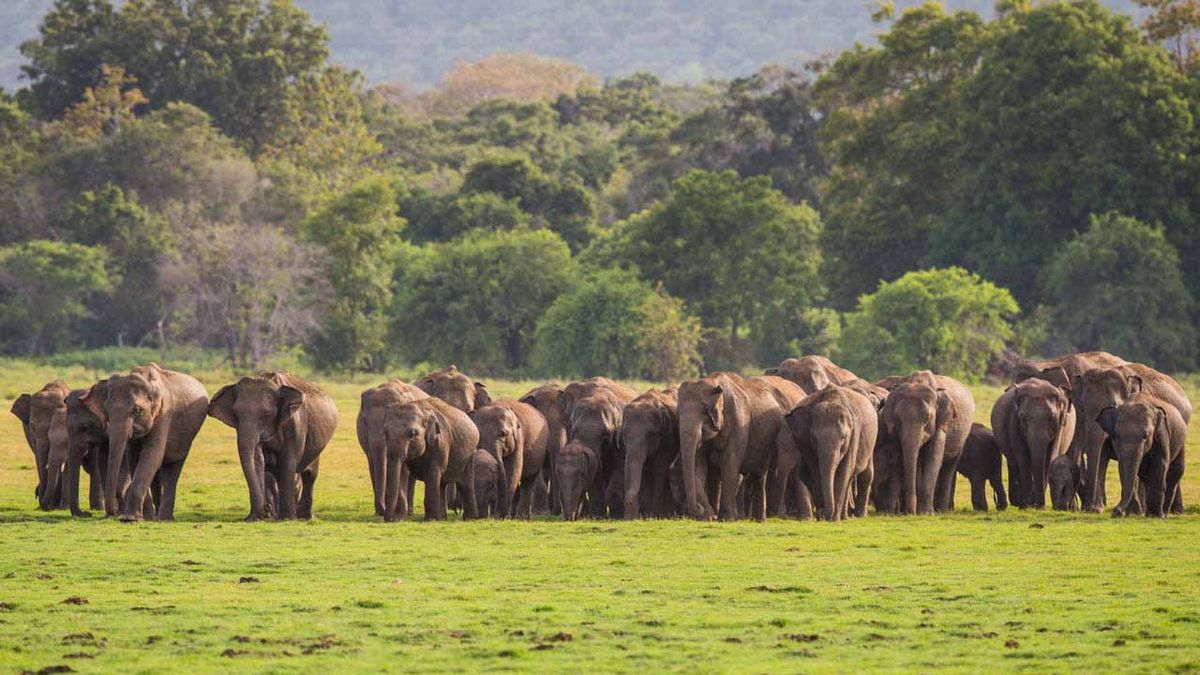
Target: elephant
<point x="152" y="415"/>
<point x="87" y="448"/>
<point x="1149" y="436"/>
<point x="437" y="443"/>
<point x="1101" y="388"/>
<point x="980" y="464"/>
<point x="650" y="437"/>
<point x="1033" y="422"/>
<point x="1072" y="365"/>
<point x="575" y="474"/>
<point x="595" y="421"/>
<point x="284" y="423"/>
<point x="43" y="419"/>
<point x="487" y="483"/>
<point x="737" y="424"/>
<point x="887" y="486"/>
<point x="455" y="388"/>
<point x="516" y="434"/>
<point x="546" y="400"/>
<point x="930" y="415"/>
<point x="1066" y="483"/>
<point x="812" y="373"/>
<point x="369" y="426"/>
<point x="835" y="431"/>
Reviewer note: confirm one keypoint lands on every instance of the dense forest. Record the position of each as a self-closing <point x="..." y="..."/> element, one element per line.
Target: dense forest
<point x="204" y="173"/>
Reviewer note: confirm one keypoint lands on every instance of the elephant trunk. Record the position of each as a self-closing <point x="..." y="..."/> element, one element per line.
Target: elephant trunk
<point x="635" y="461"/>
<point x="254" y="470"/>
<point x="391" y="462"/>
<point x="51" y="488"/>
<point x="1093" y="483"/>
<point x="1041" y="448"/>
<point x="119" y="433"/>
<point x="910" y="451"/>
<point x="504" y="497"/>
<point x="1130" y="459"/>
<point x="828" y="461"/>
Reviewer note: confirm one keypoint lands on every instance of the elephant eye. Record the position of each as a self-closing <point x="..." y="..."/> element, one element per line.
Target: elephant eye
<point x="412" y="433"/>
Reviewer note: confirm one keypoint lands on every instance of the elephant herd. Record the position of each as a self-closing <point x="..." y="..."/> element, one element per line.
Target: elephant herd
<point x="807" y="438"/>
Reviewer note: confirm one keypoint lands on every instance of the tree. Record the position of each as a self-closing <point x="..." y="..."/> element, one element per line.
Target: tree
<point x="360" y="233"/>
<point x="476" y="301"/>
<point x="614" y="324"/>
<point x="516" y="77"/>
<point x="947" y="320"/>
<point x="1118" y="287"/>
<point x="44" y="288"/>
<point x="1177" y="24"/>
<point x="445" y="217"/>
<point x="564" y="207"/>
<point x="736" y="251"/>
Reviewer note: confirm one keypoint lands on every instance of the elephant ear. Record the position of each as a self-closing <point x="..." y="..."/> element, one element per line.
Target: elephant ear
<point x="1134" y="384"/>
<point x="482" y="397"/>
<point x="1077" y="391"/>
<point x="1107" y="419"/>
<point x="22" y="407"/>
<point x="92" y="402"/>
<point x="221" y="405"/>
<point x="433" y="431"/>
<point x="947" y="412"/>
<point x="799" y="420"/>
<point x="1162" y="434"/>
<point x="290" y="400"/>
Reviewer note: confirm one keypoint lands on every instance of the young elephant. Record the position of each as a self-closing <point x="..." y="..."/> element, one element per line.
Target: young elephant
<point x="437" y="442"/>
<point x="546" y="400"/>
<point x="369" y="426"/>
<point x="812" y="373"/>
<point x="835" y="431"/>
<point x="516" y="435"/>
<point x="487" y="483"/>
<point x="455" y="388"/>
<point x="1034" y="422"/>
<point x="43" y="418"/>
<point x="1149" y="436"/>
<point x="152" y="415"/>
<point x="887" y="488"/>
<point x="1065" y="483"/>
<point x="575" y="473"/>
<point x="980" y="464"/>
<point x="650" y="436"/>
<point x="282" y="422"/>
<point x="595" y="421"/>
<point x="87" y="448"/>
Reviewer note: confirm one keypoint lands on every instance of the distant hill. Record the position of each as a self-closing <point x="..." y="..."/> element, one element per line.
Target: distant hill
<point x="414" y="41"/>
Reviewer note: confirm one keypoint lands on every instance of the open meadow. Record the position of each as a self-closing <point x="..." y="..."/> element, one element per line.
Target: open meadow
<point x="964" y="591"/>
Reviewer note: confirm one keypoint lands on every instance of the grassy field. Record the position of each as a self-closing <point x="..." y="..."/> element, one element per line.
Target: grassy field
<point x="1045" y="591"/>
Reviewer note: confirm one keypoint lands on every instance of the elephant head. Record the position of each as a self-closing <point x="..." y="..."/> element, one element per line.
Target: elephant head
<point x="1136" y="428"/>
<point x="501" y="434"/>
<point x="258" y="408"/>
<point x="487" y="482"/>
<point x="823" y="426"/>
<point x="1092" y="392"/>
<point x="647" y="424"/>
<point x="455" y="388"/>
<point x="807" y="372"/>
<point x="43" y="419"/>
<point x="130" y="411"/>
<point x="1039" y="416"/>
<point x="372" y="410"/>
<point x="918" y="414"/>
<point x="409" y="431"/>
<point x="702" y="415"/>
<point x="1064" y="483"/>
<point x="575" y="472"/>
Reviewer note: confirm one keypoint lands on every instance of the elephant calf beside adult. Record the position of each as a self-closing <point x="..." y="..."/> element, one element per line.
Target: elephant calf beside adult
<point x="283" y="424"/>
<point x="515" y="434"/>
<point x="1034" y="423"/>
<point x="372" y="410"/>
<point x="835" y="431"/>
<point x="594" y="410"/>
<point x="650" y="437"/>
<point x="1149" y="436"/>
<point x="43" y="419"/>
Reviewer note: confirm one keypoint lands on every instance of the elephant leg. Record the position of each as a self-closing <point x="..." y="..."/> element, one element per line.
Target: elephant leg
<point x="730" y="481"/>
<point x="435" y="508"/>
<point x="1156" y="487"/>
<point x="979" y="494"/>
<point x="758" y="497"/>
<point x="95" y="485"/>
<point x="145" y="463"/>
<point x="1174" y="493"/>
<point x="525" y="503"/>
<point x="308" y="480"/>
<point x="930" y="465"/>
<point x="393" y="467"/>
<point x="168" y="482"/>
<point x="285" y="476"/>
<point x="408" y="480"/>
<point x="947" y="477"/>
<point x="862" y="494"/>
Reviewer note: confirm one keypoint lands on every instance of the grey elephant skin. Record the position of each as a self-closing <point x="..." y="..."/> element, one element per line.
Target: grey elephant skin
<point x="650" y="438"/>
<point x="1034" y="422"/>
<point x="929" y="418"/>
<point x="736" y="426"/>
<point x="516" y="435"/>
<point x="43" y="419"/>
<point x="594" y="410"/>
<point x="436" y="442"/>
<point x="812" y="373"/>
<point x="283" y="424"/>
<point x="373" y="406"/>
<point x="1149" y="436"/>
<point x="545" y="399"/>
<point x="455" y="388"/>
<point x="835" y="432"/>
<point x="980" y="465"/>
<point x="152" y="416"/>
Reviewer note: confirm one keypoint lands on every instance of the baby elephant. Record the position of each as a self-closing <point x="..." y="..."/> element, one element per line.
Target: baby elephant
<point x="575" y="472"/>
<point x="487" y="483"/>
<point x="1065" y="483"/>
<point x="980" y="464"/>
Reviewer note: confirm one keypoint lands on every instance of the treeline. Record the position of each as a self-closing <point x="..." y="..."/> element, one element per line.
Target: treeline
<point x="965" y="186"/>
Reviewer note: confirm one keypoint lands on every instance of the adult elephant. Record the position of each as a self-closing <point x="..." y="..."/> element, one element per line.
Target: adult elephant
<point x="87" y="448"/>
<point x="455" y="388"/>
<point x="930" y="417"/>
<point x="812" y="373"/>
<point x="650" y="436"/>
<point x="372" y="409"/>
<point x="835" y="431"/>
<point x="437" y="443"/>
<point x="43" y="420"/>
<point x="1149" y="437"/>
<point x="1072" y="365"/>
<point x="1034" y="423"/>
<point x="736" y="424"/>
<point x="282" y="422"/>
<point x="515" y="434"/>
<point x="594" y="421"/>
<point x="152" y="415"/>
<point x="545" y="399"/>
<point x="1101" y="388"/>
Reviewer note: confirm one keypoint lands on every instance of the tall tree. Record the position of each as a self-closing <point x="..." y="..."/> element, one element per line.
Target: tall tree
<point x="44" y="288"/>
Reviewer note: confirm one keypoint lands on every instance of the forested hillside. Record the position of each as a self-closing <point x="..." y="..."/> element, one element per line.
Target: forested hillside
<point x="415" y="41"/>
<point x="970" y="184"/>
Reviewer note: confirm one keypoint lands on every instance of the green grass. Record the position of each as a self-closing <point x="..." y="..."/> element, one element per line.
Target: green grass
<point x="1044" y="591"/>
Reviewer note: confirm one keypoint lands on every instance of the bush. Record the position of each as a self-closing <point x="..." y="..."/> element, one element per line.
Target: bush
<point x="948" y="320"/>
<point x="615" y="324"/>
<point x="1118" y="287"/>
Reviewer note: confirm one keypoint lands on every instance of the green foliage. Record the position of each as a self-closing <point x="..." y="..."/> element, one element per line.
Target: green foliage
<point x="947" y="320"/>
<point x="563" y="206"/>
<point x="360" y="233"/>
<point x="444" y="217"/>
<point x="736" y="251"/>
<point x="1118" y="287"/>
<point x="44" y="287"/>
<point x="476" y="301"/>
<point x="613" y="323"/>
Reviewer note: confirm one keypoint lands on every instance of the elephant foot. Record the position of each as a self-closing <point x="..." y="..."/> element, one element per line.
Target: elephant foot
<point x="81" y="514"/>
<point x="131" y="517"/>
<point x="1117" y="512"/>
<point x="255" y="517"/>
